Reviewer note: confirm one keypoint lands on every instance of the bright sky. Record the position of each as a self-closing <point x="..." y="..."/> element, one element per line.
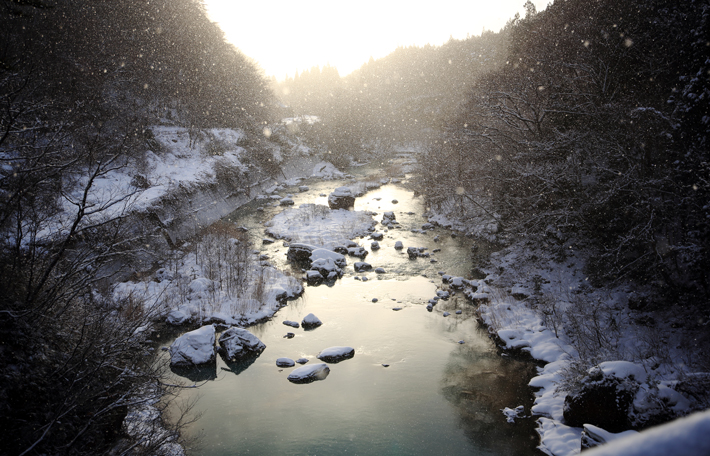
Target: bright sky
<point x="289" y="36"/>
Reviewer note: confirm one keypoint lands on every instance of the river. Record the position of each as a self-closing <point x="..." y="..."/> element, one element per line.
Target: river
<point x="419" y="383"/>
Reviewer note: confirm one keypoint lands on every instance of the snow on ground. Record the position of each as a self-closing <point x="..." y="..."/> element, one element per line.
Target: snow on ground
<point x="542" y="303"/>
<point x="687" y="436"/>
<point x="560" y="292"/>
<point x="327" y="171"/>
<point x="319" y="225"/>
<point x="189" y="295"/>
<point x="180" y="160"/>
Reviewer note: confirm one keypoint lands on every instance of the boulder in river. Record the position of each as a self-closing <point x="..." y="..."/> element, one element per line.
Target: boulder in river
<point x="285" y="362"/>
<point x="360" y="266"/>
<point x="286" y="201"/>
<point x="336" y="354"/>
<point x="237" y="343"/>
<point x="194" y="348"/>
<point x="375" y="246"/>
<point x="341" y="198"/>
<point x="357" y="252"/>
<point x="314" y="277"/>
<point x="388" y="218"/>
<point x="603" y="401"/>
<point x="398" y="245"/>
<point x="324" y="254"/>
<point x="308" y="374"/>
<point x="310" y="321"/>
<point x="293" y="324"/>
<point x="300" y="252"/>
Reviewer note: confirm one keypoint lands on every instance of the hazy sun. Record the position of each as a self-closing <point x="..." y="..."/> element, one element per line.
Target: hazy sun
<point x="288" y="36"/>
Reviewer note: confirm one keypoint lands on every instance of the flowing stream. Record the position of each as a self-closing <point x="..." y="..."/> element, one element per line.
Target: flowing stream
<point x="411" y="388"/>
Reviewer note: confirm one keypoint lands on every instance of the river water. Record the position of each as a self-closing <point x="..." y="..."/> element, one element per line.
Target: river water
<point x="412" y="388"/>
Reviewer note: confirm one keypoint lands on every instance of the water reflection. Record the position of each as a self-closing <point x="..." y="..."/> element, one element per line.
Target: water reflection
<point x="196" y="373"/>
<point x="435" y="397"/>
<point x="479" y="383"/>
<point x="237" y="367"/>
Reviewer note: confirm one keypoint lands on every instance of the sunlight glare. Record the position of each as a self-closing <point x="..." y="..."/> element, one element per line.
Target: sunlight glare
<point x="286" y="36"/>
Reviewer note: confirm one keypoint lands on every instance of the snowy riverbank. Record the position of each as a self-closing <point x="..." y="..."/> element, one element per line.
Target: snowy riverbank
<point x="598" y="343"/>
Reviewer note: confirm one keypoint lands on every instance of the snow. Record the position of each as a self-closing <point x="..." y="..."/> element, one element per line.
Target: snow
<point x="285" y="362"/>
<point x="325" y="254"/>
<point x="687" y="436"/>
<point x="194" y="348"/>
<point x="512" y="414"/>
<point x="311" y="321"/>
<point x="204" y="300"/>
<point x="335" y="354"/>
<point x="326" y="171"/>
<point x="307" y="374"/>
<point x="238" y="342"/>
<point x="319" y="225"/>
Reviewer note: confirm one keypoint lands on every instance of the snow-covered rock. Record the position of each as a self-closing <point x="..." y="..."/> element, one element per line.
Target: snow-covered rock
<point x="308" y="374"/>
<point x="293" y="324"/>
<point x="341" y="198"/>
<point x="327" y="171"/>
<point x="311" y="321"/>
<point x="285" y="362"/>
<point x="237" y="343"/>
<point x="314" y="277"/>
<point x="593" y="436"/>
<point x="325" y="254"/>
<point x="358" y="251"/>
<point x="286" y="201"/>
<point x="380" y="270"/>
<point x="374" y="246"/>
<point x="177" y="317"/>
<point x="360" y="266"/>
<point x="300" y="252"/>
<point x="194" y="348"/>
<point x="336" y="354"/>
<point x="398" y="245"/>
<point x="512" y="414"/>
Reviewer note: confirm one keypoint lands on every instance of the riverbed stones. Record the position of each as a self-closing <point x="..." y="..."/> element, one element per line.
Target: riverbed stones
<point x="300" y="252"/>
<point x="285" y="362"/>
<point x="310" y="321"/>
<point x="238" y="343"/>
<point x="194" y="348"/>
<point x="286" y="202"/>
<point x="302" y="360"/>
<point x="358" y="251"/>
<point x="341" y="198"/>
<point x="293" y="324"/>
<point x="336" y="354"/>
<point x="380" y="270"/>
<point x="314" y="278"/>
<point x="177" y="317"/>
<point x="375" y="246"/>
<point x="377" y="236"/>
<point x="361" y="266"/>
<point x="308" y="374"/>
<point x="603" y="401"/>
<point x="398" y="245"/>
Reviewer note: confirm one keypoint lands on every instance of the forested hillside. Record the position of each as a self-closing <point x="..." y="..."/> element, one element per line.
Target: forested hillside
<point x="596" y="130"/>
<point x="402" y="97"/>
<point x="81" y="82"/>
